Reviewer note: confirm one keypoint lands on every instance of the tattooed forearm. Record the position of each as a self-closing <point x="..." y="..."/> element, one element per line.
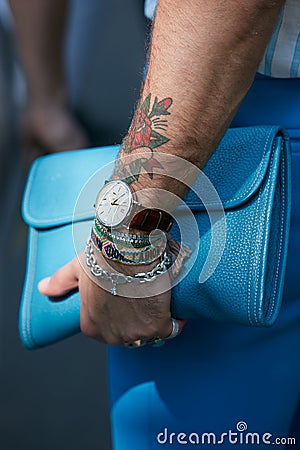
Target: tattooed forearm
<point x="146" y="133"/>
<point x="204" y="55"/>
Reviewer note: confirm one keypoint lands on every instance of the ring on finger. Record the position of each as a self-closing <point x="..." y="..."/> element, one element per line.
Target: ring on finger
<point x="158" y="341"/>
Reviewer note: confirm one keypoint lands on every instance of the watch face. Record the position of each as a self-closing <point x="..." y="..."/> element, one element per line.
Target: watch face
<point x="113" y="203"/>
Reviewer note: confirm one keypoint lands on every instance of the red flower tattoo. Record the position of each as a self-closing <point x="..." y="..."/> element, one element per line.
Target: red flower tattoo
<point x="146" y="131"/>
<point x="143" y="130"/>
<point x="140" y="131"/>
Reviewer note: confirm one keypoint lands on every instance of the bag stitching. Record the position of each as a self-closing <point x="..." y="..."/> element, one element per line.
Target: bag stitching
<point x="280" y="241"/>
<point x="252" y="251"/>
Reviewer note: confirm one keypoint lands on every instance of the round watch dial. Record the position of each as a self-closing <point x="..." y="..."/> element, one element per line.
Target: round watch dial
<point x="113" y="203"/>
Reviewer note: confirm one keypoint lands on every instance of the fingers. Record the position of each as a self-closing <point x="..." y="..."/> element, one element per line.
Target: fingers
<point x="156" y="341"/>
<point x="63" y="281"/>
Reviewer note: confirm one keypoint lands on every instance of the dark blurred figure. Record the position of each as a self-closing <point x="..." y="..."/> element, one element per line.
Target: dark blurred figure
<point x="7" y="103"/>
<point x="97" y="80"/>
<point x="83" y="62"/>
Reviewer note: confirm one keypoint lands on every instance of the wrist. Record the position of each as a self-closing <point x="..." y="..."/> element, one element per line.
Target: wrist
<point x="136" y="285"/>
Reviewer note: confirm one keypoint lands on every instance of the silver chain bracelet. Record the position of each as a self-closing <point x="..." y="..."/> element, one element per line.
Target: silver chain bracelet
<point x="119" y="278"/>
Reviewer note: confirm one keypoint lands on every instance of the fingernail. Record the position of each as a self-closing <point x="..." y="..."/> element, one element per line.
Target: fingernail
<point x="43" y="284"/>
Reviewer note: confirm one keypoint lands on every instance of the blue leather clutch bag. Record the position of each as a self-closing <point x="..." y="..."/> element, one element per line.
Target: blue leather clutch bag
<point x="250" y="170"/>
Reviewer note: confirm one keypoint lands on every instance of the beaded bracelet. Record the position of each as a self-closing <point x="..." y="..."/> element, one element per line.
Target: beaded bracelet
<point x="122" y="238"/>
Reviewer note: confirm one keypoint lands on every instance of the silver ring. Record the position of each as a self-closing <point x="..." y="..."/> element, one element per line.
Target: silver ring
<point x="175" y="329"/>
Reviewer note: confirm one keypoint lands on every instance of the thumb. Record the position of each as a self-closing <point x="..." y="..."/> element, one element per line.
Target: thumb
<point x="63" y="281"/>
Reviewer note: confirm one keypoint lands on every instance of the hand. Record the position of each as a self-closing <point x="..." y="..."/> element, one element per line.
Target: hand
<point x="113" y="319"/>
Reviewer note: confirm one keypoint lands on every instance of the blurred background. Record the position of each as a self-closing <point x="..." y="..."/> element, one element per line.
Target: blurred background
<point x="56" y="398"/>
<point x="70" y="74"/>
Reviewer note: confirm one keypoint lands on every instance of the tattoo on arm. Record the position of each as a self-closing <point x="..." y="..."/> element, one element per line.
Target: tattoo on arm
<point x="146" y="133"/>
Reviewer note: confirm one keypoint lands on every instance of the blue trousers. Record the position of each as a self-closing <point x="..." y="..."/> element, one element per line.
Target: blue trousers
<point x="218" y="377"/>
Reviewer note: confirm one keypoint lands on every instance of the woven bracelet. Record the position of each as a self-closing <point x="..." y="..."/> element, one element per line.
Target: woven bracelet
<point x="124" y="254"/>
<point x="121" y="238"/>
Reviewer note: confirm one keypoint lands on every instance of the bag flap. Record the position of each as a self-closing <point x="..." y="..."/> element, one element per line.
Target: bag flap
<point x="238" y="166"/>
<point x="55" y="181"/>
<point x="236" y="170"/>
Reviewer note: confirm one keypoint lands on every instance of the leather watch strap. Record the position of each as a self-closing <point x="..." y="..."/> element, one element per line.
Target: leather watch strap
<point x="151" y="219"/>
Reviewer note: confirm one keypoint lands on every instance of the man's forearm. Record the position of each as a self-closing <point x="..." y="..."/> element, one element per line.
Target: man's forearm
<point x="203" y="59"/>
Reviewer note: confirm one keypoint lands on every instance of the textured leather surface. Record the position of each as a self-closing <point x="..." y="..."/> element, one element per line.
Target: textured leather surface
<point x="251" y="173"/>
